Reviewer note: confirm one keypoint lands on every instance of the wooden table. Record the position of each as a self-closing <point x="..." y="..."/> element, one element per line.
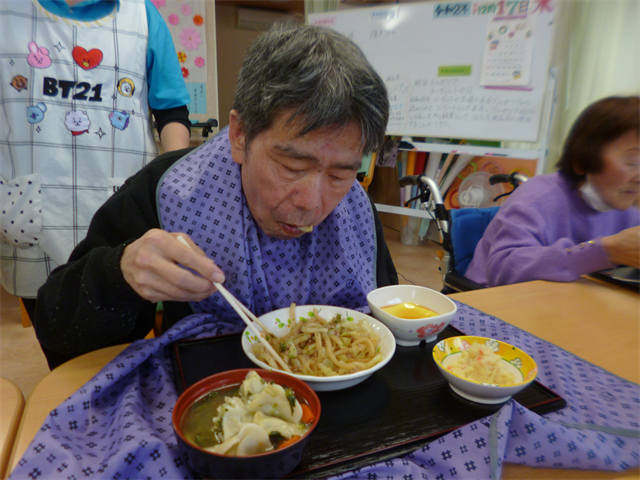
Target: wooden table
<point x="587" y="317"/>
<point x="54" y="389"/>
<point x="582" y="317"/>
<point x="11" y="406"/>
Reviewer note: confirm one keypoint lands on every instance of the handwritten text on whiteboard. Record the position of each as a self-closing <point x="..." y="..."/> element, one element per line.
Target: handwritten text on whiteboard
<point x="499" y="8"/>
<point x="446" y="10"/>
<point x="420" y="104"/>
<point x="508" y="8"/>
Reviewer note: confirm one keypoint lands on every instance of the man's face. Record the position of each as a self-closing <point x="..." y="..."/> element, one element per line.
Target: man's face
<point x="291" y="182"/>
<point x="619" y="181"/>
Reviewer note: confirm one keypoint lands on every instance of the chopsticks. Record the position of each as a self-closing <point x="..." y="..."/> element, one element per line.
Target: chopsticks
<point x="240" y="309"/>
<point x="246" y="315"/>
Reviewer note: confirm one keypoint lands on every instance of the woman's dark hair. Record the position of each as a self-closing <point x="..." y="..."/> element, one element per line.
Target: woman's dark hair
<point x="600" y="124"/>
<point x="319" y="75"/>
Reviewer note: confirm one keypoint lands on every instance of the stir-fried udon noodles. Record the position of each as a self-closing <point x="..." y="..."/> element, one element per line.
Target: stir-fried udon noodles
<point x="323" y="347"/>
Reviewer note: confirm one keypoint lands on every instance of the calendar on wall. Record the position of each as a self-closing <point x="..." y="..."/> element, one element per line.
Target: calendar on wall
<point x="473" y="69"/>
<point x="508" y="52"/>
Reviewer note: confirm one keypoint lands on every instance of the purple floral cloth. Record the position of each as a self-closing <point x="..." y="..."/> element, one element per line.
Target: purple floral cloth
<point x="118" y="425"/>
<point x="599" y="429"/>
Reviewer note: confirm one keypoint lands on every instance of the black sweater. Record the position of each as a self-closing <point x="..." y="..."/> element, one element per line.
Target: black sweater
<point x="86" y="304"/>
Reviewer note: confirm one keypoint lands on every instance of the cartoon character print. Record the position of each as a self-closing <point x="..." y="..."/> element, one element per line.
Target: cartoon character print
<point x="120" y="120"/>
<point x="19" y="82"/>
<point x="77" y="121"/>
<point x="35" y="113"/>
<point x="126" y="87"/>
<point x="87" y="59"/>
<point x="39" y="57"/>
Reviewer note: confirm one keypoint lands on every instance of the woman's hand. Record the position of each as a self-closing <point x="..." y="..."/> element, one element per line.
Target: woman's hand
<point x="623" y="248"/>
<point x="153" y="267"/>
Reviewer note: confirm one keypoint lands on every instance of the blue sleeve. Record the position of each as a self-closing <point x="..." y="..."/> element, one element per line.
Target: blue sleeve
<point x="166" y="84"/>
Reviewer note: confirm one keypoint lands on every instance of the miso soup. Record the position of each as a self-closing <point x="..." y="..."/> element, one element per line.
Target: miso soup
<point x="198" y="421"/>
<point x="253" y="417"/>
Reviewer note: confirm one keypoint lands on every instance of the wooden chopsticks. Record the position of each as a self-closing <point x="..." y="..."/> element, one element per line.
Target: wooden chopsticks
<point x="247" y="316"/>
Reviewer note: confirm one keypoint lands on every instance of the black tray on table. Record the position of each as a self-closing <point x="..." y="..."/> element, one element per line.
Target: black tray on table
<point x="401" y="407"/>
<point x="626" y="277"/>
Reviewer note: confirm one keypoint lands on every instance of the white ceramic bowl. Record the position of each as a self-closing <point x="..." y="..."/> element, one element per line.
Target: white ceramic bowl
<point x="410" y="332"/>
<point x="273" y="319"/>
<point x="518" y="362"/>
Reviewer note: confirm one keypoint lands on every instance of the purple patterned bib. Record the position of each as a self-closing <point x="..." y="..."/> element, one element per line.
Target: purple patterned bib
<point x="335" y="264"/>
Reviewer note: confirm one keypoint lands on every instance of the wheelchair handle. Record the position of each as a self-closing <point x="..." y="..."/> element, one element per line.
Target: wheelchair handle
<point x="514" y="178"/>
<point x="442" y="216"/>
<point x="423" y="179"/>
<point x="409" y="180"/>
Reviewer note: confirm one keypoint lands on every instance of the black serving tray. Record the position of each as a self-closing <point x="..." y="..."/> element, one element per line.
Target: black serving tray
<point x="626" y="277"/>
<point x="402" y="406"/>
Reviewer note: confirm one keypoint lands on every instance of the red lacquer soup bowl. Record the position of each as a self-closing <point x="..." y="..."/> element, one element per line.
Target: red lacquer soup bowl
<point x="274" y="463"/>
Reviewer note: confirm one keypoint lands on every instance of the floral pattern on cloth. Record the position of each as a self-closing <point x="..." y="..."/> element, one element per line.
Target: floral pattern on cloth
<point x="599" y="429"/>
<point x="21" y="211"/>
<point x="118" y="425"/>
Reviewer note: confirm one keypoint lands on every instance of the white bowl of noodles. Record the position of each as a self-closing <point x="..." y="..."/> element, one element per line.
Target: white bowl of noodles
<point x="359" y="351"/>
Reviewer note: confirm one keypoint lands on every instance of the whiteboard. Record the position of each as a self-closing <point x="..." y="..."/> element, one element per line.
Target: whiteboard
<point x="436" y="61"/>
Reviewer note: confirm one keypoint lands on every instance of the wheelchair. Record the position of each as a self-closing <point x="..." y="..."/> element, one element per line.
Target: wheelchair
<point x="461" y="229"/>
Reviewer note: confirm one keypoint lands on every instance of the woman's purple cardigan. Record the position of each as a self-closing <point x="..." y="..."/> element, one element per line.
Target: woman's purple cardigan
<point x="545" y="231"/>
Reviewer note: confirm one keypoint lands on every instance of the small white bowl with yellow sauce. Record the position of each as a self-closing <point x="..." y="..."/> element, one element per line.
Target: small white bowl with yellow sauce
<point x="412" y="313"/>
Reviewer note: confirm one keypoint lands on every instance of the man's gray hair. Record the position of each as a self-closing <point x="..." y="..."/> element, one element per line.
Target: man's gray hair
<point x="318" y="74"/>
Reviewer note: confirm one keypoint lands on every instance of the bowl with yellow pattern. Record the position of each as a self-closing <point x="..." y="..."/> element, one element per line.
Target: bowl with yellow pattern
<point x="484" y="370"/>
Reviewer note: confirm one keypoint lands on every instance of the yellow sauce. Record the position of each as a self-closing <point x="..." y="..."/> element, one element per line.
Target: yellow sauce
<point x="409" y="310"/>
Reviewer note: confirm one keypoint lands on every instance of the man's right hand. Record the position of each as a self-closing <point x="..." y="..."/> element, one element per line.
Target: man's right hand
<point x="153" y="267"/>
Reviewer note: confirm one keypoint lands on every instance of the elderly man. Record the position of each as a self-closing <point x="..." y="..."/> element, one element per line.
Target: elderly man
<point x="270" y="206"/>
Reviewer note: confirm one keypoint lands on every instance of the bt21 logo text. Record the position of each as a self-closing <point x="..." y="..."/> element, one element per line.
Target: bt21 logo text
<point x="52" y="87"/>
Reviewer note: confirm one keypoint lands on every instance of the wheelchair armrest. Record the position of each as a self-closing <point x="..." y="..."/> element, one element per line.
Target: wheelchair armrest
<point x="454" y="282"/>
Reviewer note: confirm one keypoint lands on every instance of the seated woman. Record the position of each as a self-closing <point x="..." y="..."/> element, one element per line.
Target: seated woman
<point x="580" y="219"/>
